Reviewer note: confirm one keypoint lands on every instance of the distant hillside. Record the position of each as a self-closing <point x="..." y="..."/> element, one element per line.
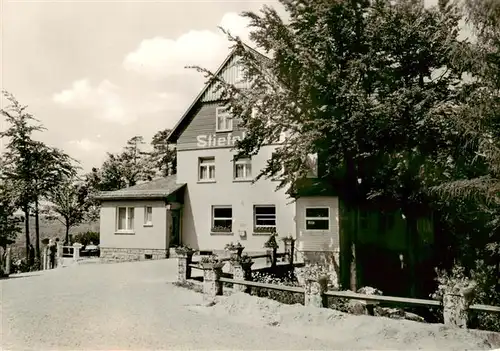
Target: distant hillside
<point x="49" y="229"/>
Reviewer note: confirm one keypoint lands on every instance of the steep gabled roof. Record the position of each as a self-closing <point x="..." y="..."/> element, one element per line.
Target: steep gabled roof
<point x="156" y="189"/>
<point x="189" y="114"/>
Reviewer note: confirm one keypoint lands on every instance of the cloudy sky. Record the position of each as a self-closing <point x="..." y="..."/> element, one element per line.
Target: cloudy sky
<point x="97" y="73"/>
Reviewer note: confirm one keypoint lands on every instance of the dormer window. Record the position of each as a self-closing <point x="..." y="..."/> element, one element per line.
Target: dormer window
<point x="223" y="120"/>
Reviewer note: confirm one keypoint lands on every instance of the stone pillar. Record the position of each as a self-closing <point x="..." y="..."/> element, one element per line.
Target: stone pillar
<point x="183" y="263"/>
<point x="7" y="261"/>
<point x="44" y="258"/>
<point x="242" y="271"/>
<point x="76" y="251"/>
<point x="181" y="268"/>
<point x="212" y="286"/>
<point x="455" y="307"/>
<point x="315" y="285"/>
<point x="59" y="254"/>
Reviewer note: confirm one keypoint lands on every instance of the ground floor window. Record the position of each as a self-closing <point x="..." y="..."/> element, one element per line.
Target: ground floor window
<point x="264" y="218"/>
<point x="125" y="219"/>
<point x="222" y="219"/>
<point x="317" y="218"/>
<point x="148" y="216"/>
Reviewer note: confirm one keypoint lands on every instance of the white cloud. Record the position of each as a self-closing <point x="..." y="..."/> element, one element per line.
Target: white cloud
<point x="111" y="103"/>
<point x="161" y="57"/>
<point x="104" y="99"/>
<point x="86" y="145"/>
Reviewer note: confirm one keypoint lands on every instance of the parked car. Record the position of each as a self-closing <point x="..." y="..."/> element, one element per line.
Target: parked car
<point x="90" y="250"/>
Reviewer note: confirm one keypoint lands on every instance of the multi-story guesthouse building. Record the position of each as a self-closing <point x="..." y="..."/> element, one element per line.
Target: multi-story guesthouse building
<point x="212" y="200"/>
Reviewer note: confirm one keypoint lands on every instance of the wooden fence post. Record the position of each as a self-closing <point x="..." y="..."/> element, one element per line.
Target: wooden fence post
<point x="456" y="306"/>
<point x="274" y="257"/>
<point x="212" y="286"/>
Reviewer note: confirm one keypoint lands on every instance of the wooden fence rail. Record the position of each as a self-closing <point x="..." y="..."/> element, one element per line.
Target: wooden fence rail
<point x="356" y="296"/>
<point x="380" y="298"/>
<point x="456" y="308"/>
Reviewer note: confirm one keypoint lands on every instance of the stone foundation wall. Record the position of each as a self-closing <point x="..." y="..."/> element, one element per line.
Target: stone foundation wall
<point x="124" y="255"/>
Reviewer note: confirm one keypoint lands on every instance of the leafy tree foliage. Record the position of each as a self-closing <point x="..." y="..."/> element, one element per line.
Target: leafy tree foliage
<point x="9" y="222"/>
<point x="361" y="84"/>
<point x="163" y="156"/>
<point x="33" y="167"/>
<point x="70" y="203"/>
<point x="19" y="160"/>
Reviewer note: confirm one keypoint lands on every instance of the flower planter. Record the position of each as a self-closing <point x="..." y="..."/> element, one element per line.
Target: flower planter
<point x="236" y="253"/>
<point x="211" y="265"/>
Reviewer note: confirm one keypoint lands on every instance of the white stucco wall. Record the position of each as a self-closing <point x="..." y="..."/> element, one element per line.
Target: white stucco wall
<point x="242" y="196"/>
<point x="327" y="240"/>
<point x="143" y="237"/>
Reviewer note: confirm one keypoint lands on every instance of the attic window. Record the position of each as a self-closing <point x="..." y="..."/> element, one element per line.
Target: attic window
<point x="223" y="120"/>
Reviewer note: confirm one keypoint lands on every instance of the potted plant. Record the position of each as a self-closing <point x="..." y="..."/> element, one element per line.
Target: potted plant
<point x="287" y="239"/>
<point x="234" y="249"/>
<point x="264" y="230"/>
<point x="184" y="251"/>
<point x="221" y="229"/>
<point x="211" y="262"/>
<point x="271" y="242"/>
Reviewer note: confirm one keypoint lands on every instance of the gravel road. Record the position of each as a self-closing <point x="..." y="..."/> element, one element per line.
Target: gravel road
<point x="123" y="306"/>
<point x="134" y="306"/>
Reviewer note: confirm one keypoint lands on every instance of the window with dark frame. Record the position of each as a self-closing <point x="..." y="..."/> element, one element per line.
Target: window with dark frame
<point x="222" y="218"/>
<point x="317" y="218"/>
<point x="264" y="218"/>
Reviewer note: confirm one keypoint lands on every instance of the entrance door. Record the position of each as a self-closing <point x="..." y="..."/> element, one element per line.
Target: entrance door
<point x="175" y="235"/>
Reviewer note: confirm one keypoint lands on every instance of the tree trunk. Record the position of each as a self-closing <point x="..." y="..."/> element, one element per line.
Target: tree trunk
<point x="37" y="231"/>
<point x="412" y="246"/>
<point x="353" y="268"/>
<point x="351" y="196"/>
<point x="26" y="211"/>
<point x="67" y="233"/>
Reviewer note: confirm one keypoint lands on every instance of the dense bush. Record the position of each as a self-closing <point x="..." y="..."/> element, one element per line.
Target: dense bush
<point x="286" y="297"/>
<point x="485" y="282"/>
<point x="85" y="238"/>
<point x="487" y="293"/>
